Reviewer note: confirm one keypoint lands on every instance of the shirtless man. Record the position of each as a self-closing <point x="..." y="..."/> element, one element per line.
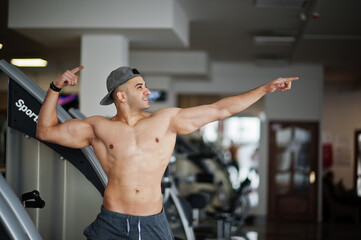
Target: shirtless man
<point x="134" y="147"/>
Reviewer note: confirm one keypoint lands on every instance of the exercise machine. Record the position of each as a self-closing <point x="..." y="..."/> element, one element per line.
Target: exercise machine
<point x="223" y="214"/>
<point x="177" y="209"/>
<point x="15" y="222"/>
<point x="68" y="180"/>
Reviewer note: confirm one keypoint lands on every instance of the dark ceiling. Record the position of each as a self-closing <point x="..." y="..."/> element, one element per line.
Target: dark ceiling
<point x="326" y="32"/>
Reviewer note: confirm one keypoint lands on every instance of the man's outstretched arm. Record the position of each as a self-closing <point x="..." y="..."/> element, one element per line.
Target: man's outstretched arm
<point x="190" y="119"/>
<point x="73" y="133"/>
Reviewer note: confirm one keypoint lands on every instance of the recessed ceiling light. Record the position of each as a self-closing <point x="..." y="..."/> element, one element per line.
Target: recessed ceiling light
<point x="273" y="40"/>
<point x="280" y="3"/>
<point x="29" y="62"/>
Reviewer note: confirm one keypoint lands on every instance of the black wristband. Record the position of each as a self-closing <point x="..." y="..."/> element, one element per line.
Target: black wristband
<point x="54" y="88"/>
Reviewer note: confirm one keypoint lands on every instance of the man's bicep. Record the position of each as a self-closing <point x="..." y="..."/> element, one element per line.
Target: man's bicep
<point x="73" y="133"/>
<point x="81" y="131"/>
<point x="188" y="120"/>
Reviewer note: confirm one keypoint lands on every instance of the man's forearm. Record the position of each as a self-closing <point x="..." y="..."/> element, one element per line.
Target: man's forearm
<point x="48" y="116"/>
<point x="235" y="104"/>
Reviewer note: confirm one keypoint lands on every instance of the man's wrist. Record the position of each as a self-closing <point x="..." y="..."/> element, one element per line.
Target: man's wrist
<point x="266" y="88"/>
<point x="54" y="88"/>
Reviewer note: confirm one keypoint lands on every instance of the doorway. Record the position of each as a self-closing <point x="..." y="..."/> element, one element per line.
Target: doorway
<point x="357" y="165"/>
<point x="293" y="164"/>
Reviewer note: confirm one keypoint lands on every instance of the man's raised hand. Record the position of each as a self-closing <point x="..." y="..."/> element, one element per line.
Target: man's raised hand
<point x="281" y="84"/>
<point x="69" y="77"/>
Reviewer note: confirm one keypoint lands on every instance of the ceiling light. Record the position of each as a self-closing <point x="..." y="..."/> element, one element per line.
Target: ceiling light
<point x="274" y="40"/>
<point x="29" y="62"/>
<point x="280" y="3"/>
<point x="1" y="46"/>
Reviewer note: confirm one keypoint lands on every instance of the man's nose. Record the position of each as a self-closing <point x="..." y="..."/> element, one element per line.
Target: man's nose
<point x="147" y="92"/>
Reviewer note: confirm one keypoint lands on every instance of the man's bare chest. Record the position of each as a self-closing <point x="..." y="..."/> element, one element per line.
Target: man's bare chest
<point x="146" y="138"/>
<point x="137" y="141"/>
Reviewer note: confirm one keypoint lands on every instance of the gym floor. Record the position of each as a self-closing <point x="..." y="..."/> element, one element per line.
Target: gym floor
<point x="303" y="231"/>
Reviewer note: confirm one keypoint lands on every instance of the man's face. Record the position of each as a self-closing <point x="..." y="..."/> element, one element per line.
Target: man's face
<point x="138" y="93"/>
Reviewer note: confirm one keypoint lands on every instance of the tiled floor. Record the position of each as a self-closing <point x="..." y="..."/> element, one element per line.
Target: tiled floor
<point x="303" y="231"/>
<point x="290" y="230"/>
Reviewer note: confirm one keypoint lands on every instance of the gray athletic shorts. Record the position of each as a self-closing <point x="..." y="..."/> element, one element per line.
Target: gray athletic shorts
<point x="114" y="225"/>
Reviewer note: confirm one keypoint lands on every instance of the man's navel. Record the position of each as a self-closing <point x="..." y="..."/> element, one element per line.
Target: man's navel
<point x="111" y="146"/>
<point x="157" y="140"/>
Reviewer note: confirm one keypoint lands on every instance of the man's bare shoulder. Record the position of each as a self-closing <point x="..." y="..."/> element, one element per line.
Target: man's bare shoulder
<point x="96" y="119"/>
<point x="170" y="112"/>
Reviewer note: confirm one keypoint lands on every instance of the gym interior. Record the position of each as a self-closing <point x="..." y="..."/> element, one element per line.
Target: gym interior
<point x="288" y="167"/>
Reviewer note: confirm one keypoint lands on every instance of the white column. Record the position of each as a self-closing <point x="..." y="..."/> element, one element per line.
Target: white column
<point x="162" y="83"/>
<point x="100" y="54"/>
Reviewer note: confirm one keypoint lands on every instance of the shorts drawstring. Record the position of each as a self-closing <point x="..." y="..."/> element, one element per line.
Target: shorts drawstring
<point x="139" y="228"/>
<point x="128" y="227"/>
<point x="140" y="238"/>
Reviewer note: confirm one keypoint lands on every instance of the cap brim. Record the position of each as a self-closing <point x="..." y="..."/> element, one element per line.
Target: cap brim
<point x="107" y="99"/>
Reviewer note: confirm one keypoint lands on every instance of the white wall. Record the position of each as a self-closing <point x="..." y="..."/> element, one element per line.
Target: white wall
<point x="100" y="54"/>
<point x="156" y="23"/>
<point x="94" y="14"/>
<point x="341" y="117"/>
<point x="168" y="62"/>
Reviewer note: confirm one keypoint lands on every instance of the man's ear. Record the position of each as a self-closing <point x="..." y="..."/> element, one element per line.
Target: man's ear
<point x="122" y="97"/>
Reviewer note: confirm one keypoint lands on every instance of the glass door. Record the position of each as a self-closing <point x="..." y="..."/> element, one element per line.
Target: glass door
<point x="293" y="167"/>
<point x="358" y="162"/>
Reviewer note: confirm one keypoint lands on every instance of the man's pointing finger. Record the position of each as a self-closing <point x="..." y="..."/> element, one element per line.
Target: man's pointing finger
<point x="291" y="78"/>
<point x="77" y="69"/>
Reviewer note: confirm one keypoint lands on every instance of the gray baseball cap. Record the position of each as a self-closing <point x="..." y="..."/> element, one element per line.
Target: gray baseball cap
<point x="118" y="77"/>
